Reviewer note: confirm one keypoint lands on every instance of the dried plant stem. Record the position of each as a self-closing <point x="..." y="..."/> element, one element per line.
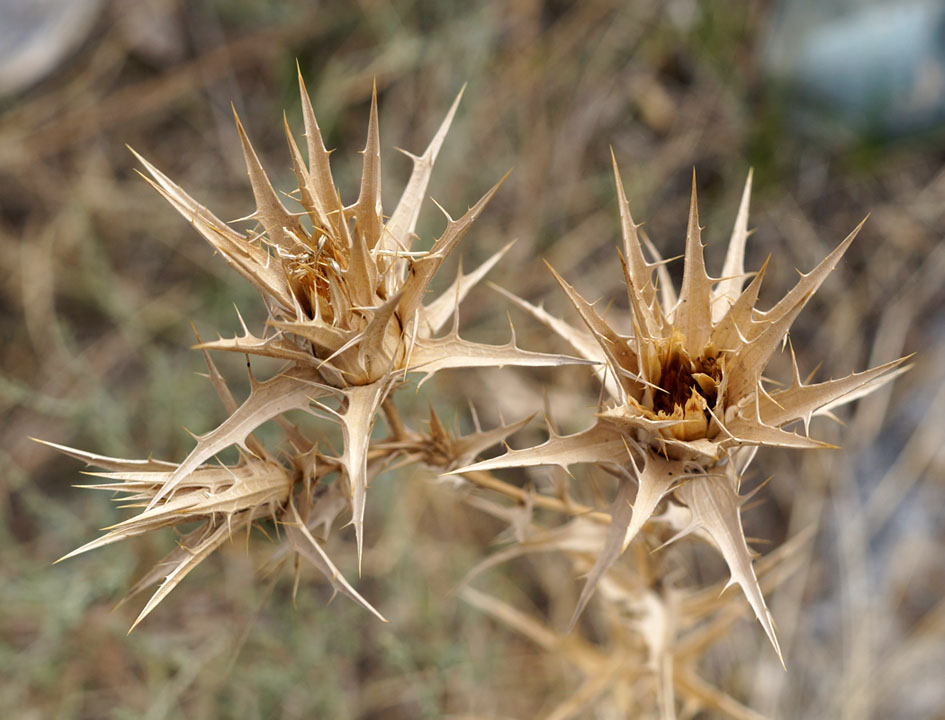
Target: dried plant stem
<point x="485" y="480"/>
<point x="394" y="421"/>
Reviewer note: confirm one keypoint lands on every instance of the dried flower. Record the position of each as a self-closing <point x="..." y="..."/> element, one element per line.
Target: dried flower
<point x="687" y="405"/>
<point x="345" y="295"/>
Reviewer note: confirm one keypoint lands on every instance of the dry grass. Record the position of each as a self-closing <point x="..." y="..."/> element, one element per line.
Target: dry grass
<point x="100" y="280"/>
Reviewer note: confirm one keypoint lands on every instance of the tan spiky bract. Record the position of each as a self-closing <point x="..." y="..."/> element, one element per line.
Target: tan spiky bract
<point x="684" y="407"/>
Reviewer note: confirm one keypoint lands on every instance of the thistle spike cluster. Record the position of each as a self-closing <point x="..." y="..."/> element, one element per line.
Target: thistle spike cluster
<point x="684" y="407"/>
<point x="346" y="294"/>
<point x="686" y="403"/>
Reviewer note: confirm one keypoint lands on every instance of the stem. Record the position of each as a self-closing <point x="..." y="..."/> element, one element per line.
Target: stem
<point x="392" y="415"/>
<point x="483" y="479"/>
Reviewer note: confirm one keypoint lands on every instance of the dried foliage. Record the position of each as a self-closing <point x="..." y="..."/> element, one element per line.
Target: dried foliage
<point x="607" y="592"/>
<point x="344" y="294"/>
<point x="685" y="406"/>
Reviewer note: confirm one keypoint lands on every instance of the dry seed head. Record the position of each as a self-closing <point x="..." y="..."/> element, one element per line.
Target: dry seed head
<point x="346" y="295"/>
<point x="345" y="291"/>
<point x="686" y="399"/>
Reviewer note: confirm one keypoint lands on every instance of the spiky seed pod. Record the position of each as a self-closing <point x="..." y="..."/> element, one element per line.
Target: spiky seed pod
<point x="346" y="297"/>
<point x="686" y="400"/>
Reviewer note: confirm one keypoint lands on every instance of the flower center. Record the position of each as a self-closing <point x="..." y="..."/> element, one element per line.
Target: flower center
<point x="682" y="379"/>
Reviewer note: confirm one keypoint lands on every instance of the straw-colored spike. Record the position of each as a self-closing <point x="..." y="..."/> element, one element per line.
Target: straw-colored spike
<point x="422" y="271"/>
<point x="430" y="355"/>
<point x="398" y="233"/>
<point x="693" y="316"/>
<point x="467" y="447"/>
<point x="374" y="352"/>
<point x="744" y="368"/>
<point x="621" y="514"/>
<point x="737" y="323"/>
<point x="252" y="262"/>
<point x="810" y="282"/>
<point x="367" y="210"/>
<point x="157" y="573"/>
<point x="667" y="293"/>
<point x="583" y="342"/>
<point x="110" y="463"/>
<point x="361" y="404"/>
<point x="800" y="402"/>
<point x="640" y="271"/>
<point x="269" y="209"/>
<point x="733" y="271"/>
<point x="304" y="544"/>
<point x="216" y="536"/>
<point x="435" y="315"/>
<point x="322" y="186"/>
<point x="306" y="195"/>
<point x="254" y="485"/>
<point x="751" y="431"/>
<point x="275" y="346"/>
<point x="361" y="275"/>
<point x="325" y="337"/>
<point x="616" y="349"/>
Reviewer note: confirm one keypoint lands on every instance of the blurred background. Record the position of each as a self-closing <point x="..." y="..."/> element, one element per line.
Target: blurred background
<point x="839" y="111"/>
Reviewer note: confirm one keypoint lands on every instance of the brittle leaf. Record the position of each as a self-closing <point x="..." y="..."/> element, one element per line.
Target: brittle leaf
<point x="253" y="485"/>
<point x="809" y="283"/>
<point x="715" y="509"/>
<point x="601" y="443"/>
<point x="270" y="210"/>
<point x="309" y="548"/>
<point x="323" y="187"/>
<point x="292" y="390"/>
<point x="252" y="262"/>
<point x="274" y="346"/>
<point x="467" y="447"/>
<point x="111" y="463"/>
<point x="211" y="540"/>
<point x="422" y="271"/>
<point x="800" y="402"/>
<point x="586" y="345"/>
<point x="693" y="312"/>
<point x="620" y="515"/>
<point x="640" y="271"/>
<point x="180" y="553"/>
<point x="431" y="355"/>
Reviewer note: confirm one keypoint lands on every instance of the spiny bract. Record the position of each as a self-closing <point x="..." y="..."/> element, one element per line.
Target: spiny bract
<point x="345" y="296"/>
<point x="686" y="404"/>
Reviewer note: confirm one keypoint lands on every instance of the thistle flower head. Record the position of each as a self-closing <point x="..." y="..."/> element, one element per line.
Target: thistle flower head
<point x="346" y="295"/>
<point x="686" y="398"/>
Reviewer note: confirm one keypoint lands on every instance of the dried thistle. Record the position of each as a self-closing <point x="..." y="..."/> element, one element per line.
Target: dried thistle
<point x="686" y="404"/>
<point x="649" y="636"/>
<point x="345" y="294"/>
